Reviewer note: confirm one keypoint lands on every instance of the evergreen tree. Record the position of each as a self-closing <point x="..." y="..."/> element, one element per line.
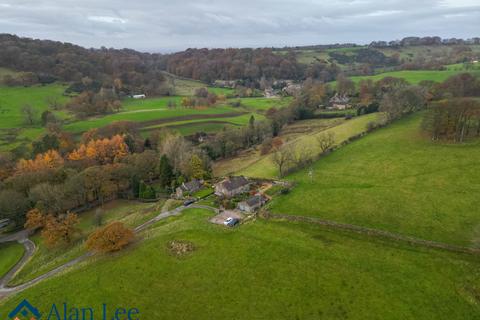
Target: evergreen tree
<point x="166" y="172"/>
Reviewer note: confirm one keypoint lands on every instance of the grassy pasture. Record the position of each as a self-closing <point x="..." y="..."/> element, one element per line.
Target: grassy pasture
<point x="159" y="113"/>
<point x="395" y="179"/>
<point x="267" y="270"/>
<point x="263" y="166"/>
<point x="12" y="123"/>
<point x="12" y="99"/>
<point x="10" y="254"/>
<point x="263" y="104"/>
<point x="414" y="76"/>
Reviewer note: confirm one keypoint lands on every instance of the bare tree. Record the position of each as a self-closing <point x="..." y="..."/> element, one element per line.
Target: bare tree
<point x="326" y="140"/>
<point x="283" y="157"/>
<point x="29" y="114"/>
<point x="53" y="102"/>
<point x="302" y="156"/>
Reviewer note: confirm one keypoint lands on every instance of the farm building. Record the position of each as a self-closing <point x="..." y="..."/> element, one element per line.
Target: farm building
<point x="232" y="186"/>
<point x="139" y="96"/>
<point x="251" y="204"/>
<point x="339" y="102"/>
<point x="188" y="188"/>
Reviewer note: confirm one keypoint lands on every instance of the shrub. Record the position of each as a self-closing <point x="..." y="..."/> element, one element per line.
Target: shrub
<point x="112" y="237"/>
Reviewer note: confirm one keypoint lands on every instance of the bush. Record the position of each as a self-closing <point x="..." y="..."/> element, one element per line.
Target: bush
<point x="372" y="125"/>
<point x="285" y="190"/>
<point x="113" y="237"/>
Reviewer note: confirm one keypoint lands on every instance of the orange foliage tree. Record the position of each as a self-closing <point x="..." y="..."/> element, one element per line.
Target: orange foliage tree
<point x="112" y="237"/>
<point x="101" y="151"/>
<point x="55" y="230"/>
<point x="48" y="160"/>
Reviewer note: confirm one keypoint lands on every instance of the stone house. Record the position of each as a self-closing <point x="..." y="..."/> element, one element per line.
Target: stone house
<point x="188" y="188"/>
<point x="251" y="204"/>
<point x="232" y="186"/>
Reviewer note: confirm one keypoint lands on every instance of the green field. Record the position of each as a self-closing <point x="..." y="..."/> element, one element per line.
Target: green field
<point x="264" y="167"/>
<point x="12" y="99"/>
<point x="159" y="114"/>
<point x="414" y="76"/>
<point x="13" y="130"/>
<point x="395" y="179"/>
<point x="263" y="104"/>
<point x="267" y="270"/>
<point x="10" y="254"/>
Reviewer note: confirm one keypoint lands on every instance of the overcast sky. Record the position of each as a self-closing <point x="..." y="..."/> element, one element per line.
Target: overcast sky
<point x="164" y="26"/>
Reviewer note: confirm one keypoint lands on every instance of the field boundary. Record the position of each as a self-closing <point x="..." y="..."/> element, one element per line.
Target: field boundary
<point x="377" y="233"/>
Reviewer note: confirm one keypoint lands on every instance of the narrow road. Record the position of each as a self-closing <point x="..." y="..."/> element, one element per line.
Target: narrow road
<point x="22" y="237"/>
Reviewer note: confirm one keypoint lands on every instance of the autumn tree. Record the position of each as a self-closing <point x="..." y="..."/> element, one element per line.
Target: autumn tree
<point x="112" y="237"/>
<point x="35" y="219"/>
<point x="59" y="229"/>
<point x="48" y="160"/>
<point x="55" y="229"/>
<point x="101" y="151"/>
<point x="197" y="167"/>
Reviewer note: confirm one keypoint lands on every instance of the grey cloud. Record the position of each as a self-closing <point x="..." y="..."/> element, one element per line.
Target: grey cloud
<point x="163" y="26"/>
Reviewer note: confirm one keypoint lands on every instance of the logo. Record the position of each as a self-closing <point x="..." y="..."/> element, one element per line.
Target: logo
<point x="25" y="311"/>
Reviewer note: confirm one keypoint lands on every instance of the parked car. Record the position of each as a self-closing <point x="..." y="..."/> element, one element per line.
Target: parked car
<point x="231" y="222"/>
<point x="188" y="202"/>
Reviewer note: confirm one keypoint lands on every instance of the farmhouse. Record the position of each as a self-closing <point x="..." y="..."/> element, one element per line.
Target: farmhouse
<point x="292" y="89"/>
<point x="251" y="204"/>
<point x="232" y="186"/>
<point x="139" y="96"/>
<point x="339" y="102"/>
<point x="188" y="188"/>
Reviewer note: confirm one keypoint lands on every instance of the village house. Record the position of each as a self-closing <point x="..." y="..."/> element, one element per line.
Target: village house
<point x="232" y="186"/>
<point x="339" y="102"/>
<point x="188" y="188"/>
<point x="269" y="93"/>
<point x="251" y="204"/>
<point x="292" y="89"/>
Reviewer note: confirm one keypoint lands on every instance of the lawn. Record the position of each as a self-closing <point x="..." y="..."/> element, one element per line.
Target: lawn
<point x="10" y="254"/>
<point x="395" y="179"/>
<point x="267" y="270"/>
<point x="45" y="259"/>
<point x="263" y="166"/>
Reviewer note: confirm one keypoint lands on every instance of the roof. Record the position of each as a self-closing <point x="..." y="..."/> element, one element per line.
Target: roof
<point x="191" y="185"/>
<point x="340" y="99"/>
<point x="255" y="200"/>
<point x="234" y="183"/>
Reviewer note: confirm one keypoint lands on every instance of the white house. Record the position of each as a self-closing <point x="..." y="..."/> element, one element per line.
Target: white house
<point x="139" y="96"/>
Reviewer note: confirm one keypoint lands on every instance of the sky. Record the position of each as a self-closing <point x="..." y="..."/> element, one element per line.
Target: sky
<point x="173" y="25"/>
